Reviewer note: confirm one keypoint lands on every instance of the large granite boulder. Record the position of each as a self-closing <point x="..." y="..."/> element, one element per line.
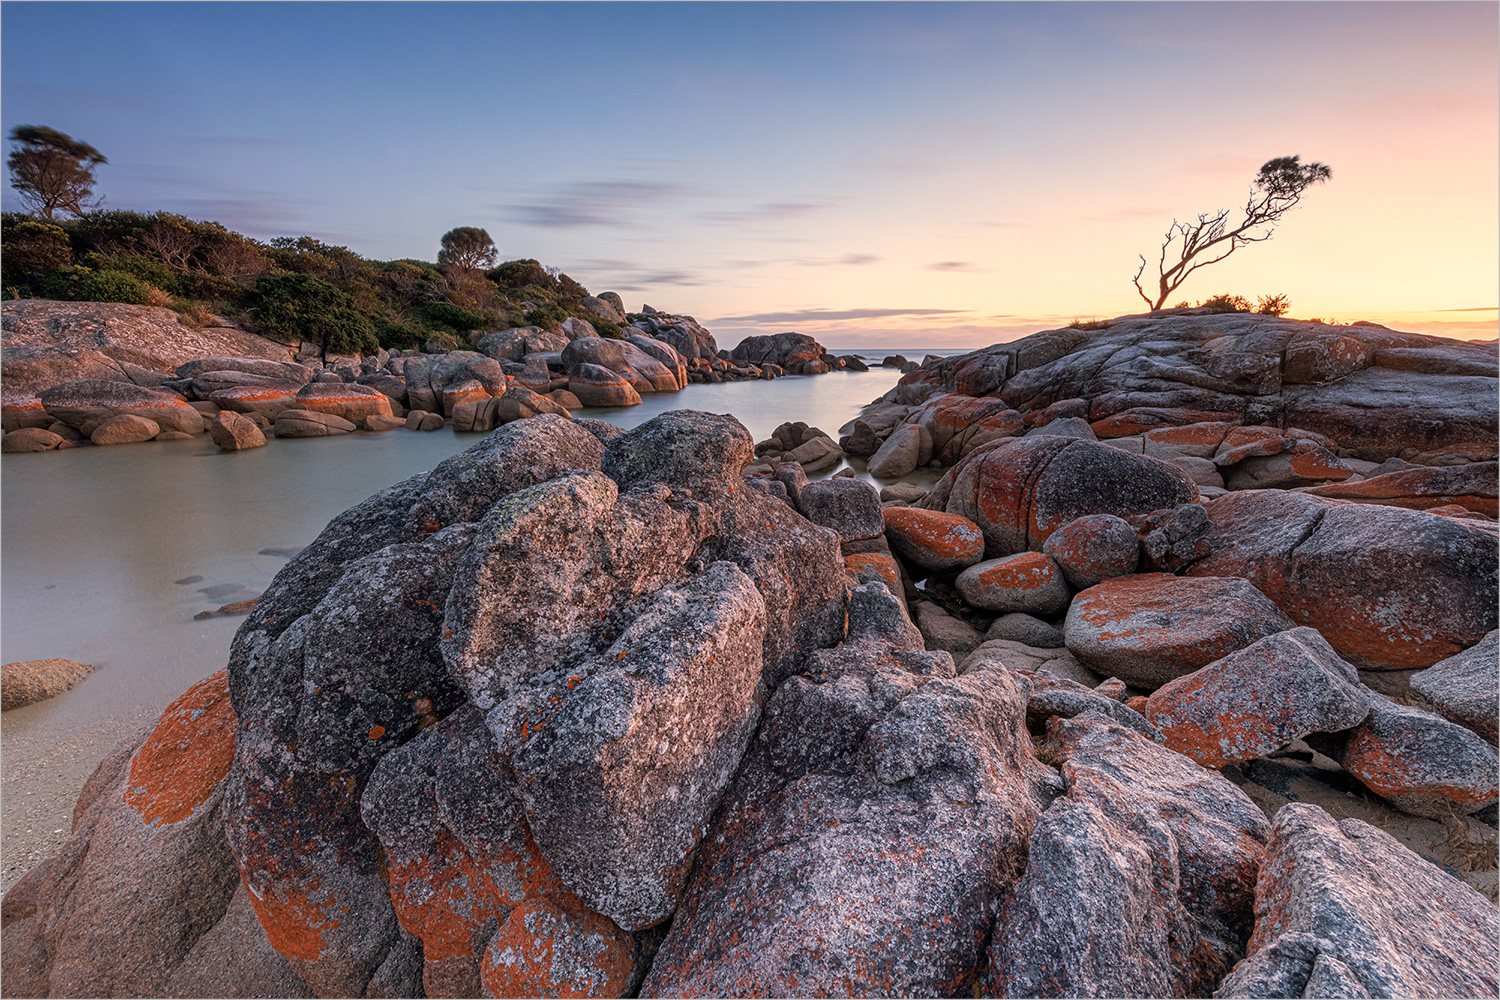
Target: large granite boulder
<point x="47" y="343"/>
<point x="1020" y="491"/>
<point x="683" y="333"/>
<point x="1342" y="909"/>
<point x="1149" y="628"/>
<point x="798" y="353"/>
<point x="145" y="876"/>
<point x="85" y="404"/>
<point x="644" y="372"/>
<point x="1389" y="588"/>
<point x="1377" y="392"/>
<point x="882" y="810"/>
<point x="1139" y="881"/>
<point x="1465" y="688"/>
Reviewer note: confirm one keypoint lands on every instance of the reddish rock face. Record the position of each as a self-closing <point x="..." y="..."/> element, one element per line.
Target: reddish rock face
<point x="87" y="403"/>
<point x="1343" y="909"/>
<point x="467" y="878"/>
<point x="1471" y="486"/>
<point x="595" y="385"/>
<point x="1200" y="440"/>
<point x="1140" y="419"/>
<point x="1021" y="491"/>
<point x="28" y="440"/>
<point x="126" y="428"/>
<point x="1152" y="627"/>
<point x="267" y="401"/>
<point x="1422" y="763"/>
<point x="932" y="540"/>
<point x="145" y="873"/>
<point x="16" y="413"/>
<point x="861" y="565"/>
<point x="1389" y="588"/>
<point x="1027" y="581"/>
<point x="232" y="431"/>
<point x="340" y="399"/>
<point x="1258" y="699"/>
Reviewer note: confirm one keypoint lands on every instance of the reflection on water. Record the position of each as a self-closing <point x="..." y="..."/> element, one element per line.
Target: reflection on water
<point x="108" y="553"/>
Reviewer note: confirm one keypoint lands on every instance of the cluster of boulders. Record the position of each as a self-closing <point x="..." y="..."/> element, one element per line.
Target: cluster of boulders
<point x="512" y="374"/>
<point x="589" y="712"/>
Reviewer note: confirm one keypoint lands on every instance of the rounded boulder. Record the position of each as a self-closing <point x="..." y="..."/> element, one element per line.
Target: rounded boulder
<point x="1150" y="628"/>
<point x="933" y="541"/>
<point x="1094" y="548"/>
<point x="1028" y="582"/>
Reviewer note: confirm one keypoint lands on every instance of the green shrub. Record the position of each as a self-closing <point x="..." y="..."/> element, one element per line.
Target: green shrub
<point x="301" y="306"/>
<point x="401" y="334"/>
<point x="143" y="269"/>
<point x="31" y="249"/>
<point x="82" y="284"/>
<point x="202" y="285"/>
<point x="1089" y="324"/>
<point x="453" y="317"/>
<point x="1273" y="305"/>
<point x="520" y="273"/>
<point x="545" y="316"/>
<point x="607" y="329"/>
<point x="1225" y="303"/>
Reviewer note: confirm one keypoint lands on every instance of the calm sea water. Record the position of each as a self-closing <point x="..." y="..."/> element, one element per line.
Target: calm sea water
<point x="108" y="553"/>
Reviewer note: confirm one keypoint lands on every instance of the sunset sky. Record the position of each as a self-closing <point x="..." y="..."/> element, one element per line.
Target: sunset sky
<point x="911" y="175"/>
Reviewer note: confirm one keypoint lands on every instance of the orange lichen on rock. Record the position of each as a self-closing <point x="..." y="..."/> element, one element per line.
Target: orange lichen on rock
<point x="293" y="922"/>
<point x="543" y="950"/>
<point x="863" y="563"/>
<point x="1208" y="433"/>
<point x="932" y="539"/>
<point x="186" y="755"/>
<point x="1146" y="418"/>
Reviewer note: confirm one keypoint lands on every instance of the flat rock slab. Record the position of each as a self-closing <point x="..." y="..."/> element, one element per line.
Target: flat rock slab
<point x="1342" y="909"/>
<point x="1465" y="687"/>
<point x="28" y="681"/>
<point x="1149" y="628"/>
<point x="1259" y="698"/>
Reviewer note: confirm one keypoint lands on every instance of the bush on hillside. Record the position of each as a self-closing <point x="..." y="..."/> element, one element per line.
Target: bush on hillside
<point x="293" y="305"/>
<point x="1225" y="303"/>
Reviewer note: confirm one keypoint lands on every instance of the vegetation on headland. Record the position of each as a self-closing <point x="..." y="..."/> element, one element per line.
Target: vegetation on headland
<point x="289" y="288"/>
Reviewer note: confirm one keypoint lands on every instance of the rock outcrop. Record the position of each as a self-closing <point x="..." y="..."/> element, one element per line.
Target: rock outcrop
<point x="47" y="343"/>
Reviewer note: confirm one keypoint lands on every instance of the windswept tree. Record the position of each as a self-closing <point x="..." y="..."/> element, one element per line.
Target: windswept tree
<point x="468" y="248"/>
<point x="53" y="172"/>
<point x="1190" y="245"/>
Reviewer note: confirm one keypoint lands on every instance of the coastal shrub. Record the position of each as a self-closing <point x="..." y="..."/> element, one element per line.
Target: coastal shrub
<point x="143" y="269"/>
<point x="83" y="284"/>
<point x="214" y="287"/>
<point x="400" y="334"/>
<point x="1273" y="305"/>
<point x="1089" y="324"/>
<point x="467" y="247"/>
<point x="453" y="317"/>
<point x="196" y="314"/>
<point x="292" y="305"/>
<point x="546" y="317"/>
<point x="517" y="274"/>
<point x="607" y="329"/>
<point x="570" y="289"/>
<point x="1225" y="303"/>
<point x="32" y="249"/>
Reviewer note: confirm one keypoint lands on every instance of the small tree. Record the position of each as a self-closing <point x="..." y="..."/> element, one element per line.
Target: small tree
<point x="53" y="172"/>
<point x="469" y="248"/>
<point x="1278" y="187"/>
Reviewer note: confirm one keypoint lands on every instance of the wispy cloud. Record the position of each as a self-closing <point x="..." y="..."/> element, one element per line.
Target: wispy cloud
<point x="824" y="315"/>
<point x="605" y="203"/>
<point x="775" y="211"/>
<point x="952" y="265"/>
<point x="858" y="259"/>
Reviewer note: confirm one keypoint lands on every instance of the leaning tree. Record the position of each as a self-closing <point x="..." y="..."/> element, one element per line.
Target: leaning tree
<point x="52" y="171"/>
<point x="1190" y="245"/>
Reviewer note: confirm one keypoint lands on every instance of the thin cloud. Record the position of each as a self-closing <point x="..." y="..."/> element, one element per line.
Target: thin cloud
<point x="823" y="315"/>
<point x="858" y="259"/>
<point x="606" y="204"/>
<point x="952" y="265"/>
<point x="775" y="211"/>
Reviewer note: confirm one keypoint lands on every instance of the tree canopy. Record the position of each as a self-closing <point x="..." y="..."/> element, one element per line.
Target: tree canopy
<point x="468" y="247"/>
<point x="1277" y="189"/>
<point x="52" y="171"/>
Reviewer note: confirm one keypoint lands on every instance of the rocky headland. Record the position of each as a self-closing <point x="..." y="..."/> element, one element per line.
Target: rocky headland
<point x="105" y="374"/>
<point x="589" y="712"/>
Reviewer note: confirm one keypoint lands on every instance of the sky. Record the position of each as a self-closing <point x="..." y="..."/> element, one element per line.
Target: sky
<point x="919" y="175"/>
